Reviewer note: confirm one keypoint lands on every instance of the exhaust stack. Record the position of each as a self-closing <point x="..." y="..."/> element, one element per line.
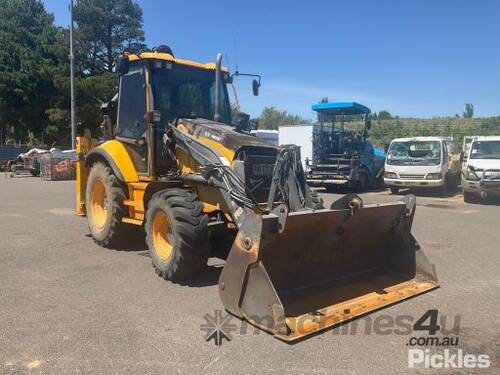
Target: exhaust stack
<point x="217" y="116"/>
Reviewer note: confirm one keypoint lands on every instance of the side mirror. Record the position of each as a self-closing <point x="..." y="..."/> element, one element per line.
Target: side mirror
<point x="241" y="121"/>
<point x="122" y="65"/>
<point x="255" y="87"/>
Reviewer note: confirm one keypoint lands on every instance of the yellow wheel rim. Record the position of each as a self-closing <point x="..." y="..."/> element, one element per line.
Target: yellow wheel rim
<point x="161" y="235"/>
<point x="98" y="204"/>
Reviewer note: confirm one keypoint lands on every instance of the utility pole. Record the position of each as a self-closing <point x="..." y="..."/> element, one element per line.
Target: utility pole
<point x="72" y="78"/>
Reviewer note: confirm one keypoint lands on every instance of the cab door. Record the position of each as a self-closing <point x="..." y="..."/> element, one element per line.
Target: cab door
<point x="131" y="122"/>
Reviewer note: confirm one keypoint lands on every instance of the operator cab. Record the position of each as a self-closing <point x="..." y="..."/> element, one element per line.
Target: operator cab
<point x="156" y="90"/>
<point x="332" y="137"/>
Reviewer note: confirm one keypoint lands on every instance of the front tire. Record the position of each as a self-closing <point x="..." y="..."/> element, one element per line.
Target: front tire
<point x="177" y="234"/>
<point x="394" y="190"/>
<point x="104" y="206"/>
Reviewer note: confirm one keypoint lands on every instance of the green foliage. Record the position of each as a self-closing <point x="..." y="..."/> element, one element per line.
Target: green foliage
<point x="105" y="29"/>
<point x="271" y="118"/>
<point x="34" y="76"/>
<point x="384" y="115"/>
<point x="34" y="66"/>
<point x="27" y="65"/>
<point x="32" y="140"/>
<point x="469" y="110"/>
<point x="383" y="131"/>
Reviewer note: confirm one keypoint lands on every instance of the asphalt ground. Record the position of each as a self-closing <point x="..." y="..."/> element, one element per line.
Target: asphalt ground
<point x="68" y="306"/>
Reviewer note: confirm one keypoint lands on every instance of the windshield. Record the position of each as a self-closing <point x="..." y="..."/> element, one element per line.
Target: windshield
<point x="415" y="152"/>
<point x="181" y="91"/>
<point x="485" y="150"/>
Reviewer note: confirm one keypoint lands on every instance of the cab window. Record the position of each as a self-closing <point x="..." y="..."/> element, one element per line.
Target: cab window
<point x="132" y="107"/>
<point x="446" y="151"/>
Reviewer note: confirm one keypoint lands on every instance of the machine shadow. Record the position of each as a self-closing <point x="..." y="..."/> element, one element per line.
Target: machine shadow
<point x="208" y="277"/>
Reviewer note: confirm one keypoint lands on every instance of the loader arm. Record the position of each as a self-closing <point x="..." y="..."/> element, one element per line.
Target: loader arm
<point x="293" y="271"/>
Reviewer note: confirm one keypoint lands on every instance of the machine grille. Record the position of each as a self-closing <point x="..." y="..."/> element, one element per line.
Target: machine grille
<point x="412" y="176"/>
<point x="258" y="165"/>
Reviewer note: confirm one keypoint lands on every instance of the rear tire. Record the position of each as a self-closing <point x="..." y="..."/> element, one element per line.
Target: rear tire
<point x="443" y="190"/>
<point x="363" y="182"/>
<point x="394" y="190"/>
<point x="470" y="197"/>
<point x="379" y="182"/>
<point x="454" y="182"/>
<point x="177" y="234"/>
<point x="104" y="206"/>
<point x="331" y="189"/>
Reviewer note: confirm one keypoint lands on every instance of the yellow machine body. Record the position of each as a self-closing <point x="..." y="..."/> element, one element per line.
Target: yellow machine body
<point x="289" y="273"/>
<point x="119" y="158"/>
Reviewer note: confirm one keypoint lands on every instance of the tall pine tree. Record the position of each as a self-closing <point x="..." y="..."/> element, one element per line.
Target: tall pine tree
<point x="27" y="63"/>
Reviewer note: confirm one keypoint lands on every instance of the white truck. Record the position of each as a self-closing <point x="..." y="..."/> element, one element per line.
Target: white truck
<point x="422" y="162"/>
<point x="482" y="169"/>
<point x="300" y="135"/>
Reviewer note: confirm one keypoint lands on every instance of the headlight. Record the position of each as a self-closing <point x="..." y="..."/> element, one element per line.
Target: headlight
<point x="390" y="175"/>
<point x="434" y="176"/>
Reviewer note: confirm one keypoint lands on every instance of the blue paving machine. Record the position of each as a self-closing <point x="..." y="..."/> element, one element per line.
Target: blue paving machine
<point x="342" y="155"/>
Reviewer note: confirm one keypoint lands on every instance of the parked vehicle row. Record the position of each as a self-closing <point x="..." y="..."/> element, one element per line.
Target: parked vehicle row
<point x="335" y="154"/>
<point x="433" y="162"/>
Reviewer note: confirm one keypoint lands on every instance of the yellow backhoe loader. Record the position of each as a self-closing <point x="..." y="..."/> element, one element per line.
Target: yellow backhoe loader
<point x="177" y="162"/>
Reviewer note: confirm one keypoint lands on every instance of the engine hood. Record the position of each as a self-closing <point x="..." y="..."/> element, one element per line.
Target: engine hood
<point x="484" y="163"/>
<point x="413" y="169"/>
<point x="224" y="134"/>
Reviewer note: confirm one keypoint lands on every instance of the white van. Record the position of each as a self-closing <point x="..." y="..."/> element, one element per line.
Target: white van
<point x="482" y="169"/>
<point x="300" y="135"/>
<point x="423" y="162"/>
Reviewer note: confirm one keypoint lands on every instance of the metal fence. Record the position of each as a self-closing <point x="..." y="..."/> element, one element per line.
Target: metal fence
<point x="57" y="169"/>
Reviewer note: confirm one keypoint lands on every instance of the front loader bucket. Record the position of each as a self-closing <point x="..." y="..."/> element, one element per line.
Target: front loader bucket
<point x="296" y="274"/>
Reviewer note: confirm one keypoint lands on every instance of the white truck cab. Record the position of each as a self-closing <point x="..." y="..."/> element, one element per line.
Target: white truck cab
<point x="422" y="162"/>
<point x="482" y="168"/>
